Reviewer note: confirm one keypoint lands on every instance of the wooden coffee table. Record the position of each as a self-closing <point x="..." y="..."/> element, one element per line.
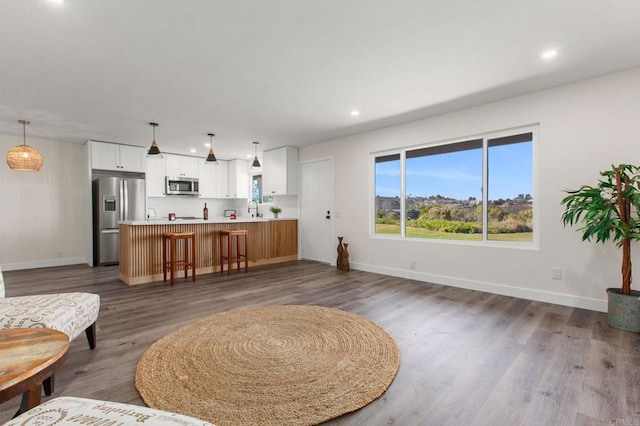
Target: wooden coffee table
<point x="28" y="356"/>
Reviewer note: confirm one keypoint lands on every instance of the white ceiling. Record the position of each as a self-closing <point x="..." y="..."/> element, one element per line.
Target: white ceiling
<point x="286" y="72"/>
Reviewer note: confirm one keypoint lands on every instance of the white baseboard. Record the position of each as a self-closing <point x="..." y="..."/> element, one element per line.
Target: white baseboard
<point x="43" y="263"/>
<point x="504" y="290"/>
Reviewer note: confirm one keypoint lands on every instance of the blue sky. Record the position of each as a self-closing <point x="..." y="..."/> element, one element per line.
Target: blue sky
<point x="459" y="174"/>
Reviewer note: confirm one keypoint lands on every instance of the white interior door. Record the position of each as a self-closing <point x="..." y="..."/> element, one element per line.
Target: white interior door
<point x="316" y="211"/>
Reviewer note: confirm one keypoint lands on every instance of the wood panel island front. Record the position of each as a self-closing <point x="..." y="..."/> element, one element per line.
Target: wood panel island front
<point x="270" y="241"/>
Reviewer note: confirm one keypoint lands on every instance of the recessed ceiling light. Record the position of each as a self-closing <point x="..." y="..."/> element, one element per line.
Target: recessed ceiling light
<point x="549" y="54"/>
<point x="192" y="150"/>
<point x="58" y="1"/>
<point x="355" y="113"/>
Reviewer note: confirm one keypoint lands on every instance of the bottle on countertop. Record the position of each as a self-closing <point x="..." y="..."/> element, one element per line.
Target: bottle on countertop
<point x="205" y="212"/>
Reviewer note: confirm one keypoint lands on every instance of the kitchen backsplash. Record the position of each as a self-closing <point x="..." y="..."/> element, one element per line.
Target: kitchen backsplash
<point x="185" y="206"/>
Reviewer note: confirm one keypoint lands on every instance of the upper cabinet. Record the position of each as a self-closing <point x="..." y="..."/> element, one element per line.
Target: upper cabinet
<point x="280" y="171"/>
<point x="207" y="179"/>
<point x="154" y="178"/>
<point x="222" y="178"/>
<point x="214" y="179"/>
<point x="181" y="165"/>
<point x="122" y="158"/>
<point x="238" y="179"/>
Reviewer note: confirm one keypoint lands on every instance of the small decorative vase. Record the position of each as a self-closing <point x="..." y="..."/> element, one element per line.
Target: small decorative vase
<point x="340" y="253"/>
<point x="345" y="258"/>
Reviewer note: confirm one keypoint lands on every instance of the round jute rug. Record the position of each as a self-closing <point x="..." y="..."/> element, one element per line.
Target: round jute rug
<point x="269" y="365"/>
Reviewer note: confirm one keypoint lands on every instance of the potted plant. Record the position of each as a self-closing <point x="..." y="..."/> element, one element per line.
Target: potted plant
<point x="275" y="210"/>
<point x="610" y="211"/>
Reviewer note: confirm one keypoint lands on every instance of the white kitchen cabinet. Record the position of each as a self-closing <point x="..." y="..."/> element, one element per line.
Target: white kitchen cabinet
<point x="280" y="171"/>
<point x="207" y="179"/>
<point x="154" y="179"/>
<point x="122" y="158"/>
<point x="181" y="165"/>
<point x="238" y="179"/>
<point x="222" y="178"/>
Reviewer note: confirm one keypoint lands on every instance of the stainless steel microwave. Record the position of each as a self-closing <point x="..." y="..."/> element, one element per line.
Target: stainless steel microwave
<point x="181" y="186"/>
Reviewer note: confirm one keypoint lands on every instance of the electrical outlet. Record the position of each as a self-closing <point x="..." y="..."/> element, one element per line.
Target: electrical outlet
<point x="412" y="264"/>
<point x="556" y="273"/>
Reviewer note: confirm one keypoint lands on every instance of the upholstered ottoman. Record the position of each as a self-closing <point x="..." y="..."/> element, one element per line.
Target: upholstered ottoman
<point x="70" y="313"/>
<point x="73" y="411"/>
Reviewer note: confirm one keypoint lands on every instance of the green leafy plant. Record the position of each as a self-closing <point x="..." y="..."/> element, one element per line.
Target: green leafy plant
<point x="609" y="211"/>
<point x="275" y="209"/>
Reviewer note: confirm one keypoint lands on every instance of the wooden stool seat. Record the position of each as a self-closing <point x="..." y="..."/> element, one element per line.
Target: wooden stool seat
<point x="229" y="235"/>
<point x="189" y="257"/>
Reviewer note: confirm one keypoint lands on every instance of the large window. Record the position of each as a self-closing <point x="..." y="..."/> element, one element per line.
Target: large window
<point x="479" y="189"/>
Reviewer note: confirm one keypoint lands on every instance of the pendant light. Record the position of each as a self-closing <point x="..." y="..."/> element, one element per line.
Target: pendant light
<point x="255" y="163"/>
<point x="23" y="158"/>
<point x="211" y="158"/>
<point x="154" y="151"/>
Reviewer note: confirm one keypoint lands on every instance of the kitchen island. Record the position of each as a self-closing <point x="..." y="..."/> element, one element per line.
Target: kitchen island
<point x="270" y="241"/>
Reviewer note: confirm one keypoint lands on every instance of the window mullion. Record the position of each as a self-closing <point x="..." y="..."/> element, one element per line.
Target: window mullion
<point x="403" y="193"/>
<point x="485" y="189"/>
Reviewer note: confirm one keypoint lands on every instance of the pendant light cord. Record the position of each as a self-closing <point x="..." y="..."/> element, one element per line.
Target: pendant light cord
<point x="24" y="130"/>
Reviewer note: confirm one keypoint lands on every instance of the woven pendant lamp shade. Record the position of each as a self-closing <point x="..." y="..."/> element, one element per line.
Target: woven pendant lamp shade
<point x="23" y="158"/>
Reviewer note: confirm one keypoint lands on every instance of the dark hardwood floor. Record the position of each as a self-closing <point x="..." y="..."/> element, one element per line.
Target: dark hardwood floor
<point x="466" y="357"/>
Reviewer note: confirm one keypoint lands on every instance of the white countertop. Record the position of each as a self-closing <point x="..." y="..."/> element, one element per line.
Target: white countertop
<point x="165" y="221"/>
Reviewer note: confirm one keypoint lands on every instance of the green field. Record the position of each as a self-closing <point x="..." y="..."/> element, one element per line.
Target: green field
<point x="424" y="233"/>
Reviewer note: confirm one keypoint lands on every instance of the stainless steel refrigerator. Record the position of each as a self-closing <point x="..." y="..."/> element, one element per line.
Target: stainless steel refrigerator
<point x="114" y="199"/>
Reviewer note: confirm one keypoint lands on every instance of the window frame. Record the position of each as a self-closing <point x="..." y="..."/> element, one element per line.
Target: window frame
<point x="486" y="136"/>
<point x="372" y="209"/>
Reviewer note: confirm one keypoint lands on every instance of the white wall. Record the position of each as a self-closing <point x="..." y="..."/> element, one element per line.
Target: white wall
<point x="584" y="128"/>
<point x="42" y="221"/>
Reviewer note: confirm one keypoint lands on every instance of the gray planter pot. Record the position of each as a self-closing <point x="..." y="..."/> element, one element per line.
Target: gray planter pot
<point x="624" y="311"/>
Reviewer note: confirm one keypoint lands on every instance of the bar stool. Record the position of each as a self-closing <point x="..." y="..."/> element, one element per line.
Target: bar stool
<point x="229" y="235"/>
<point x="186" y="262"/>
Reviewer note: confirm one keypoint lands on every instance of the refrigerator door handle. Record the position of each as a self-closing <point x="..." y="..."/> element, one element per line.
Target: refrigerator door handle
<point x="120" y="201"/>
<point x="125" y="210"/>
<point x="109" y="231"/>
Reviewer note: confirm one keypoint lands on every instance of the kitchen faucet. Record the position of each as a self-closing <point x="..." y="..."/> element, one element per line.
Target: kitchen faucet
<point x="257" y="210"/>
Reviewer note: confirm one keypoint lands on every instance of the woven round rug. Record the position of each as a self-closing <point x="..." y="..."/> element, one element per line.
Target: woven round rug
<point x="269" y="365"/>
